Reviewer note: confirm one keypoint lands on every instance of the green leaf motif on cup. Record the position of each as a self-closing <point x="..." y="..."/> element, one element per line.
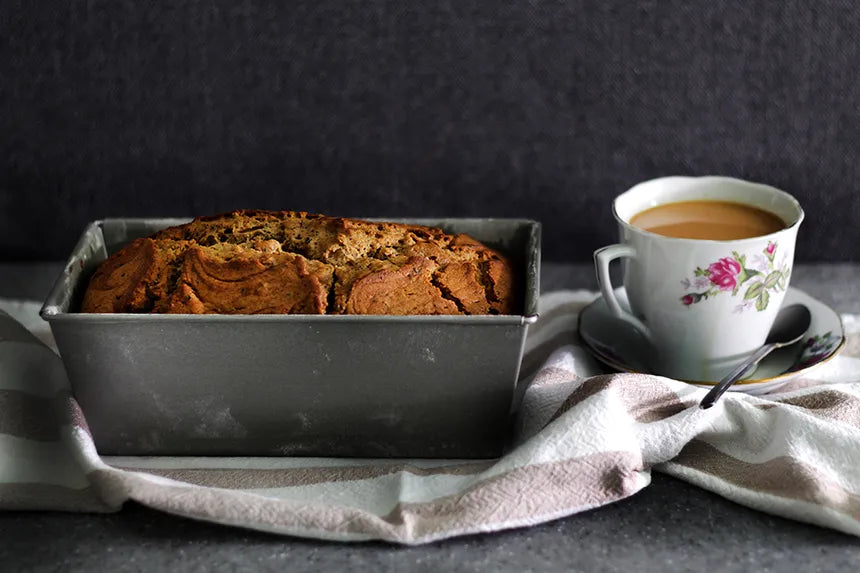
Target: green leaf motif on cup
<point x="754" y="291"/>
<point x="772" y="279"/>
<point x="762" y="300"/>
<point x="755" y="281"/>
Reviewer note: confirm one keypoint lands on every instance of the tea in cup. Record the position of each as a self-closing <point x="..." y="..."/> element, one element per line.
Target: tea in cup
<point x="707" y="262"/>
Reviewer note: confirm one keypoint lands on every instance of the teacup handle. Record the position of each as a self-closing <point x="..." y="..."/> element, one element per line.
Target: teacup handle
<point x="602" y="258"/>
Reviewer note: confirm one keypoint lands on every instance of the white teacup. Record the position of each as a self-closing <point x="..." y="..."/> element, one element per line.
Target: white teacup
<point x="704" y="305"/>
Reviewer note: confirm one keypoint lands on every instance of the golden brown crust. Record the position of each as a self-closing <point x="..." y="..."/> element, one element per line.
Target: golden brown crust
<point x="273" y="283"/>
<point x="249" y="262"/>
<point x="133" y="279"/>
<point x="408" y="289"/>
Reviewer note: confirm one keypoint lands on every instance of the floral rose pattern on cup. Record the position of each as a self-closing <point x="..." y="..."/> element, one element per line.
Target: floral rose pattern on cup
<point x="755" y="280"/>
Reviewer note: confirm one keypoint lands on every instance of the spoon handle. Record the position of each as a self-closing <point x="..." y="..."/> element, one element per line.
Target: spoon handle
<point x="714" y="394"/>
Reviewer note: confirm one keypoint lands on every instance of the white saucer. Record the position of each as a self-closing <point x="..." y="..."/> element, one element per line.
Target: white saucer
<point x="620" y="346"/>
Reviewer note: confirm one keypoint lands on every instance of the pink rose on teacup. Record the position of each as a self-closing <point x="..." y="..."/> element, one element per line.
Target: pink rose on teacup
<point x="724" y="273"/>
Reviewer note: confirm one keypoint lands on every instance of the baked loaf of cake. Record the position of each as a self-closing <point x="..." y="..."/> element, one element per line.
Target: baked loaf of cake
<point x="253" y="262"/>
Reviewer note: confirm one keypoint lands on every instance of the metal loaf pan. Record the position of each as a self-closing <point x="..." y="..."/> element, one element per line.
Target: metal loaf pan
<point x="357" y="386"/>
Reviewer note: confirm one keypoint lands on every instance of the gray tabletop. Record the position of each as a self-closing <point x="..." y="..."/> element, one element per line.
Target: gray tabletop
<point x="670" y="525"/>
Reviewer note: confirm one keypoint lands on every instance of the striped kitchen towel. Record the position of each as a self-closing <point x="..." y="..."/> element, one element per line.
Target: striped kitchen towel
<point x="585" y="439"/>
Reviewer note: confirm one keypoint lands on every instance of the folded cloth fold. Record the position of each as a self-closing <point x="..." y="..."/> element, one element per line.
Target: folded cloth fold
<point x="585" y="439"/>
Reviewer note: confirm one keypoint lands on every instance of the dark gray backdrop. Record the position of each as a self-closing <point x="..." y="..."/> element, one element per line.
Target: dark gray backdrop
<point x="543" y="109"/>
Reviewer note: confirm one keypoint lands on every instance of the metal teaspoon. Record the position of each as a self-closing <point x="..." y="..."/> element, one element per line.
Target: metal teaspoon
<point x="790" y="325"/>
